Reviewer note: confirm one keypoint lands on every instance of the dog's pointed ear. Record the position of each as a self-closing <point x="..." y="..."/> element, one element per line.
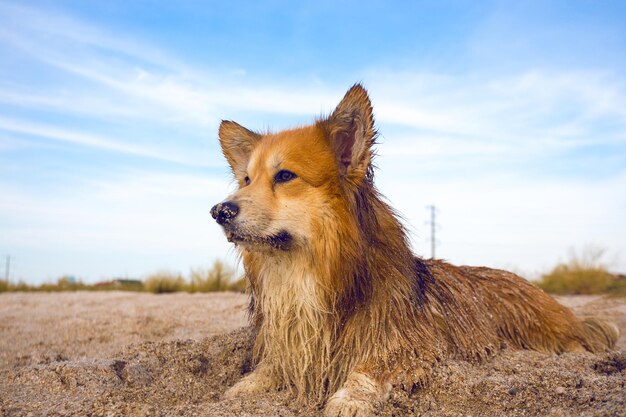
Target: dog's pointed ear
<point x="237" y="143"/>
<point x="351" y="132"/>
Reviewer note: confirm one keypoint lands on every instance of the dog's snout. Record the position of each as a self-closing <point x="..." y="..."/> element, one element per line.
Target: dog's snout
<point x="224" y="212"/>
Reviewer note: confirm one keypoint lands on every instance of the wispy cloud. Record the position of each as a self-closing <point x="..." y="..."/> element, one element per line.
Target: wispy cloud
<point x="90" y="140"/>
<point x="504" y="107"/>
<point x="530" y="109"/>
<point x="31" y="27"/>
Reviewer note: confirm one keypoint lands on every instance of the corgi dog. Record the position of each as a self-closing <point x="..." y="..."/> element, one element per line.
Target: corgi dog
<point x="342" y="310"/>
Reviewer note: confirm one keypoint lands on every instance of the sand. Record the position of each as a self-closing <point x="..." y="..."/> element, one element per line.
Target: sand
<point x="117" y="354"/>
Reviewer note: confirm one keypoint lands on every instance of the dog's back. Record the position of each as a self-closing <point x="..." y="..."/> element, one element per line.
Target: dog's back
<point x="484" y="307"/>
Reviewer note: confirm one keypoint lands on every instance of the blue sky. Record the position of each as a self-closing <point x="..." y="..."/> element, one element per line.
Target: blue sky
<point x="510" y="117"/>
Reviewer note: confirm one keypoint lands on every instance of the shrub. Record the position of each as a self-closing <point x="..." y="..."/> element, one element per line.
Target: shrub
<point x="240" y="285"/>
<point x="582" y="274"/>
<point x="217" y="278"/>
<point x="164" y="282"/>
<point x="21" y="286"/>
<point x="618" y="286"/>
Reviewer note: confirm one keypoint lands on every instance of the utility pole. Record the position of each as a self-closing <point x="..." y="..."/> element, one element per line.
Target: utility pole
<point x="8" y="268"/>
<point x="433" y="227"/>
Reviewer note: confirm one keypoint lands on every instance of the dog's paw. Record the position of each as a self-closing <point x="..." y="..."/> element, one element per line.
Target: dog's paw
<point x="360" y="396"/>
<point x="342" y="404"/>
<point x="255" y="383"/>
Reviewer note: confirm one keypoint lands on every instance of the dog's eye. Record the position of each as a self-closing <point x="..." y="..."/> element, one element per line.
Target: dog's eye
<point x="247" y="180"/>
<point x="284" y="176"/>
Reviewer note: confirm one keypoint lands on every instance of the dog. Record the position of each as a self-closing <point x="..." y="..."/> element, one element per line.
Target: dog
<point x="342" y="310"/>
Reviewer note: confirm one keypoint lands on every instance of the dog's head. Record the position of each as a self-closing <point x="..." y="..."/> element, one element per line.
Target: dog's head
<point x="293" y="185"/>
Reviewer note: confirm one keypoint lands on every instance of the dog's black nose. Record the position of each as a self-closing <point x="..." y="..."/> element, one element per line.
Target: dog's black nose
<point x="223" y="213"/>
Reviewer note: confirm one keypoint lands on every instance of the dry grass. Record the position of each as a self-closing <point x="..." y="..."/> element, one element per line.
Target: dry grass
<point x="583" y="273"/>
<point x="219" y="277"/>
<point x="64" y="283"/>
<point x="164" y="282"/>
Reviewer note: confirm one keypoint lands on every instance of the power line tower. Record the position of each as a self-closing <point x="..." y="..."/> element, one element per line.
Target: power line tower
<point x="433" y="228"/>
<point x="7" y="270"/>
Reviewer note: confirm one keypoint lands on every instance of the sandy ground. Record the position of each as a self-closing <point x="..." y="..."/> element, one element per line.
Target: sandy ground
<point x="114" y="353"/>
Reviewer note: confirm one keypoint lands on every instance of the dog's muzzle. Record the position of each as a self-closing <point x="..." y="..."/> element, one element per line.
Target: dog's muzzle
<point x="225" y="212"/>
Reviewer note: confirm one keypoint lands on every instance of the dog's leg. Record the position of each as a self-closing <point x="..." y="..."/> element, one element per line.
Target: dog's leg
<point x="260" y="380"/>
<point x="360" y="395"/>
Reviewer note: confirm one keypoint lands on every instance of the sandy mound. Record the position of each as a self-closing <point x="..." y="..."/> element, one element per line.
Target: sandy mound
<point x="187" y="374"/>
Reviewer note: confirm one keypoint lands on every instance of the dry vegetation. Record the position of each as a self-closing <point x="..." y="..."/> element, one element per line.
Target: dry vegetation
<point x="583" y="273"/>
<point x="219" y="277"/>
<point x="164" y="282"/>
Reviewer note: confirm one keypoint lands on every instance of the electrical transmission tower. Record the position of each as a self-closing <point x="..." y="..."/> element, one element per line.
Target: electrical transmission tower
<point x="7" y="270"/>
<point x="433" y="229"/>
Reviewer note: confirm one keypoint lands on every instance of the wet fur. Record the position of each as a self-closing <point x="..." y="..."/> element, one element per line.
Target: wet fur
<point x="347" y="309"/>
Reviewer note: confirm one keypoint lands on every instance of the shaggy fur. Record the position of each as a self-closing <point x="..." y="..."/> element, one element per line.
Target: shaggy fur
<point x="341" y="307"/>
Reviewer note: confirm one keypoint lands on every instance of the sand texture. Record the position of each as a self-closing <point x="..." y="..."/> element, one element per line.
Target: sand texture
<point x="118" y="354"/>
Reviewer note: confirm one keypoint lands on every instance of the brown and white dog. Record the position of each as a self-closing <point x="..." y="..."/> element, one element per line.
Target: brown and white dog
<point x="342" y="310"/>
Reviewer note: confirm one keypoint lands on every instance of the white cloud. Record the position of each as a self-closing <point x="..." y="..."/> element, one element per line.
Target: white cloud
<point x="91" y="140"/>
<point x="506" y="108"/>
<point x="31" y="27"/>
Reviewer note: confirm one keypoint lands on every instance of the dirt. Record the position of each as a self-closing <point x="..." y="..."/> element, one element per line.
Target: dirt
<point x="118" y="354"/>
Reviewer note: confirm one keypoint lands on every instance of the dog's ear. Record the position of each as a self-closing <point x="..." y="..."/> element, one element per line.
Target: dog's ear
<point x="237" y="144"/>
<point x="351" y="132"/>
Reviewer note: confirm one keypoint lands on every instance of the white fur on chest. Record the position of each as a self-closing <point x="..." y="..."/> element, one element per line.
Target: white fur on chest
<point x="294" y="331"/>
<point x="287" y="287"/>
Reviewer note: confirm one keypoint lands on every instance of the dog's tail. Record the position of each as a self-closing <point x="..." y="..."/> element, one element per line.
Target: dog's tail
<point x="601" y="333"/>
